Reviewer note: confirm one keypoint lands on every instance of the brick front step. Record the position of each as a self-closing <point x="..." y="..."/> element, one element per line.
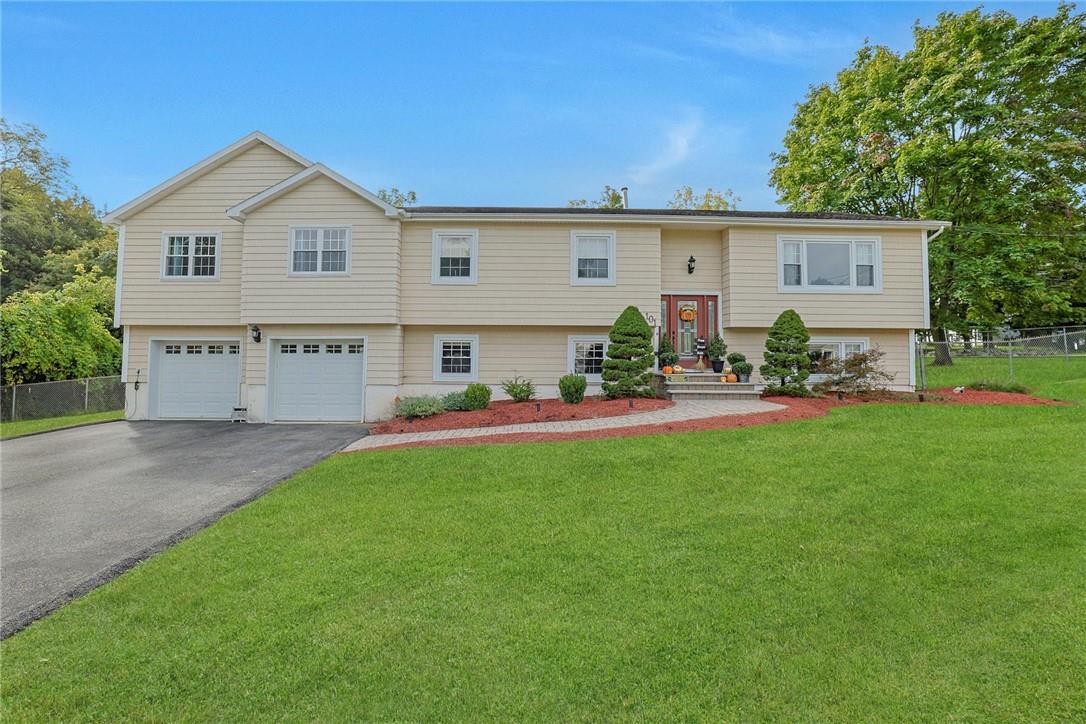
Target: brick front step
<point x="711" y="394"/>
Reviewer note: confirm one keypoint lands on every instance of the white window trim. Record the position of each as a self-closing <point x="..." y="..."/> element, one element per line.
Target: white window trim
<point x="192" y="253"/>
<point x="865" y="341"/>
<point x="612" y="272"/>
<point x="435" y="257"/>
<point x="571" y="352"/>
<point x="805" y="288"/>
<point x="320" y="251"/>
<point x="440" y="339"/>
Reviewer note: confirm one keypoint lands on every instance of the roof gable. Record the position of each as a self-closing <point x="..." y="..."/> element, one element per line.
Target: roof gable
<point x="208" y="164"/>
<point x="318" y="169"/>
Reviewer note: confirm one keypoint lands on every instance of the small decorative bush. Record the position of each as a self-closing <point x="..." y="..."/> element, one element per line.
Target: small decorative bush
<point x="477" y="396"/>
<point x="717" y="348"/>
<point x="742" y="368"/>
<point x="455" y="401"/>
<point x="629" y="356"/>
<point x="787" y="364"/>
<point x="997" y="386"/>
<point x="520" y="389"/>
<point x="666" y="352"/>
<point x="737" y="358"/>
<point x="571" y="388"/>
<point x="857" y="374"/>
<point x="422" y="406"/>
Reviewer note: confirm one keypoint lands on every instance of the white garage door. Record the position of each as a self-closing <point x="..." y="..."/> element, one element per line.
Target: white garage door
<point x="319" y="380"/>
<point x="197" y="379"/>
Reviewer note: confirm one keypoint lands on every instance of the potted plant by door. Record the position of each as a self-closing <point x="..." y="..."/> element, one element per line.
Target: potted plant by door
<point x="717" y="349"/>
<point x="743" y="370"/>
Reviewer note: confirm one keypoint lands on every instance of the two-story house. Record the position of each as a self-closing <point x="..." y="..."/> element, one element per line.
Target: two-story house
<point x="259" y="280"/>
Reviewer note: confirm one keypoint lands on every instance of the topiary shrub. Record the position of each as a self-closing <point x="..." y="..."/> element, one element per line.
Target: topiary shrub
<point x="629" y="357"/>
<point x="736" y="358"/>
<point x="477" y="396"/>
<point x="520" y="389"/>
<point x="571" y="388"/>
<point x="717" y="348"/>
<point x="422" y="406"/>
<point x="666" y="352"/>
<point x="787" y="364"/>
<point x="455" y="401"/>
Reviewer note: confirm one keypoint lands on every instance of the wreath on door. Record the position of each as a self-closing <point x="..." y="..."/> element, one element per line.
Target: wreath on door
<point x="688" y="313"/>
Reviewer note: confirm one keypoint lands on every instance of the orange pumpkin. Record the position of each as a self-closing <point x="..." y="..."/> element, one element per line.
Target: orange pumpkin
<point x="667" y="370"/>
<point x="733" y="378"/>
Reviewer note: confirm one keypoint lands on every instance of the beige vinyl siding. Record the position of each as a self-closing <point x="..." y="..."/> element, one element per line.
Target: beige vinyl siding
<point x="524" y="277"/>
<point x="725" y="274"/>
<point x="676" y="248"/>
<point x="893" y="342"/>
<point x="538" y="353"/>
<point x="382" y="350"/>
<point x="753" y="298"/>
<point x="367" y="296"/>
<point x="198" y="206"/>
<point x="139" y="342"/>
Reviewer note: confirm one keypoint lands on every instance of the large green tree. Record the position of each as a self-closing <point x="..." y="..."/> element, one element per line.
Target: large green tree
<point x="609" y="198"/>
<point x="47" y="228"/>
<point x="685" y="197"/>
<point x="981" y="123"/>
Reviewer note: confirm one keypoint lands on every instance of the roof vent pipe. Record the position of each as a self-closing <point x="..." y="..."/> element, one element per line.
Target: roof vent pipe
<point x="625" y="197"/>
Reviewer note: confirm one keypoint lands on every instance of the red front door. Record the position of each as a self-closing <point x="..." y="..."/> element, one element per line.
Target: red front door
<point x="685" y="318"/>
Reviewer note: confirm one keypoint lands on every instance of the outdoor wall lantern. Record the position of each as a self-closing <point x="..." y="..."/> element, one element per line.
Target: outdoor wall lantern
<point x="256" y="332"/>
<point x="690" y="265"/>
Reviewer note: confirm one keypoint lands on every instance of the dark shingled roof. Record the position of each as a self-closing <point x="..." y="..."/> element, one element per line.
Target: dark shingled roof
<point x="527" y="210"/>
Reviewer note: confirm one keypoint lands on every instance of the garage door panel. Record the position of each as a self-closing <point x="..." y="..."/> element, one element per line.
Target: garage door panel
<point x="197" y="379"/>
<point x="318" y="380"/>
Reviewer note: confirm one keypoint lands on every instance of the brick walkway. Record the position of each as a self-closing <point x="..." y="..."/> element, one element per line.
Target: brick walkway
<point x="681" y="411"/>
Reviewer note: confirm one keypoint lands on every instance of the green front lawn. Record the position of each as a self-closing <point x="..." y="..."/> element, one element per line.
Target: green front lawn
<point x="887" y="562"/>
<point x="25" y="427"/>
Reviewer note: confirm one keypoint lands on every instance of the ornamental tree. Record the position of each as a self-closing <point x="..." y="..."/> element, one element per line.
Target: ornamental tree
<point x="626" y="371"/>
<point x="787" y="364"/>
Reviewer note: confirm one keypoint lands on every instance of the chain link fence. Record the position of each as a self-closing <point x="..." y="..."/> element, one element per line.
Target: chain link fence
<point x="64" y="397"/>
<point x="1011" y="358"/>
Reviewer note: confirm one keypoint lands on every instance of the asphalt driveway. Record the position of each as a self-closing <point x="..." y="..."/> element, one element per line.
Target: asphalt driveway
<point x="80" y="506"/>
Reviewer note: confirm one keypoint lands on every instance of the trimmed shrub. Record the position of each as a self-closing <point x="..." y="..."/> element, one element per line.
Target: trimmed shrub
<point x="717" y="348"/>
<point x="742" y="368"/>
<point x="736" y="358"/>
<point x="520" y="389"/>
<point x="787" y="364"/>
<point x="455" y="401"/>
<point x="666" y="352"/>
<point x="477" y="396"/>
<point x="571" y="388"/>
<point x="421" y="406"/>
<point x="629" y="356"/>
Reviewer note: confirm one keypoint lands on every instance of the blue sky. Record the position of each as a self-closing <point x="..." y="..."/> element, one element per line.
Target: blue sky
<point x="465" y="104"/>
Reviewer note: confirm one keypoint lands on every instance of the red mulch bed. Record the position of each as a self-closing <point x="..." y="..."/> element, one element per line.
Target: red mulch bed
<point x="795" y="409"/>
<point x="507" y="412"/>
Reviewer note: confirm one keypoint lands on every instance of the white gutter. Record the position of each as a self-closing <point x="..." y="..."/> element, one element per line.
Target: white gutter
<point x="925" y="240"/>
<point x="669" y="220"/>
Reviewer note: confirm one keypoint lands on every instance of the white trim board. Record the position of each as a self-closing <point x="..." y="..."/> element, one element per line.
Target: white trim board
<point x="119" y="278"/>
<point x="192" y="172"/>
<point x="271" y="193"/>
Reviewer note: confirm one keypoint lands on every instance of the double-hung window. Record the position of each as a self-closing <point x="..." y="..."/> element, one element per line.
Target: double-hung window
<point x="823" y="351"/>
<point x="456" y="357"/>
<point x="592" y="258"/>
<point x="829" y="264"/>
<point x="585" y="355"/>
<point x="191" y="255"/>
<point x="455" y="256"/>
<point x="317" y="250"/>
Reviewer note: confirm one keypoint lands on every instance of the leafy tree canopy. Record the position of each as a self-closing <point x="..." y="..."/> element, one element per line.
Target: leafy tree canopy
<point x="610" y="198"/>
<point x="981" y="123"/>
<point x="398" y="198"/>
<point x="46" y="227"/>
<point x="709" y="200"/>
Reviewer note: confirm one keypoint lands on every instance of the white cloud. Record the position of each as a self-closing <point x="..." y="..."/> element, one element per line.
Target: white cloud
<point x="775" y="44"/>
<point x="679" y="139"/>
